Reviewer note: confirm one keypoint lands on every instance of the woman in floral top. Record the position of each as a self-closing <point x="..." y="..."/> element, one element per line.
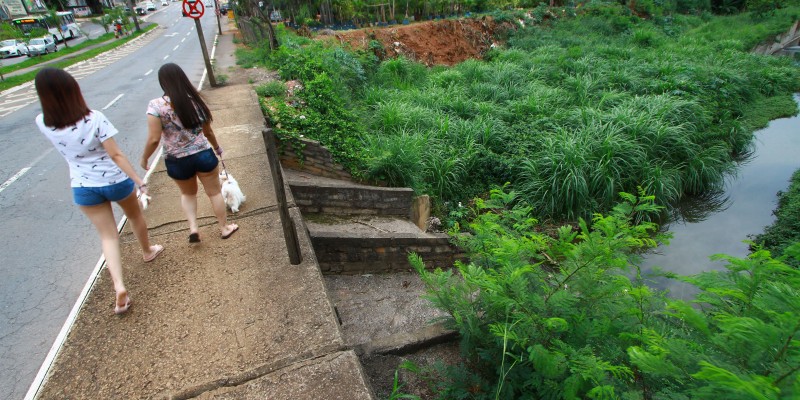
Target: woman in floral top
<point x="181" y="122"/>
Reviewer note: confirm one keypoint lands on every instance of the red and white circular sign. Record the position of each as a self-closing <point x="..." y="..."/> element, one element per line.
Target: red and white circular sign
<point x="194" y="9"/>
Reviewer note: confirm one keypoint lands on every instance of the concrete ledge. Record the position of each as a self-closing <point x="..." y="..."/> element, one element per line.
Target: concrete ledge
<point x="408" y="342"/>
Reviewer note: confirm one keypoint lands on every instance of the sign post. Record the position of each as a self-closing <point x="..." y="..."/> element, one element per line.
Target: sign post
<point x="195" y="9"/>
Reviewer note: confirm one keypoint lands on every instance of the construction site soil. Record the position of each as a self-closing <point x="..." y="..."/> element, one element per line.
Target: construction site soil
<point x="438" y="42"/>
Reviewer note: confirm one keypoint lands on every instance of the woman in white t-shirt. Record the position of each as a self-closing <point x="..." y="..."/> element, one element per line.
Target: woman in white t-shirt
<point x="99" y="171"/>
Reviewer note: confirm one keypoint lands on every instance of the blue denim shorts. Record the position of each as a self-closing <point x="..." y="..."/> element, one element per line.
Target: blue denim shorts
<point x="186" y="167"/>
<point x="92" y="196"/>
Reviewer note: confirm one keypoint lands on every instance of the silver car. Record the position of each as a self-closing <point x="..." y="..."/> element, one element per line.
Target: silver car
<point x="42" y="45"/>
<point x="12" y="48"/>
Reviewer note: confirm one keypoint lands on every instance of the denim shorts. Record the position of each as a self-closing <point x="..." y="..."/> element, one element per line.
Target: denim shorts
<point x="186" y="167"/>
<point x="92" y="196"/>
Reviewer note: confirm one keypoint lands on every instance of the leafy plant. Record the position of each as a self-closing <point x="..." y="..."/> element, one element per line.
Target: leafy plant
<point x="570" y="315"/>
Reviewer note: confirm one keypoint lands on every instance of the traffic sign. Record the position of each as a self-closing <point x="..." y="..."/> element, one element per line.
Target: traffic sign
<point x="194" y="9"/>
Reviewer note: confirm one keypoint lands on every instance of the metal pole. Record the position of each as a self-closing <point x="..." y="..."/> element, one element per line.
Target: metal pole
<point x="210" y="71"/>
<point x="216" y="11"/>
<point x="289" y="233"/>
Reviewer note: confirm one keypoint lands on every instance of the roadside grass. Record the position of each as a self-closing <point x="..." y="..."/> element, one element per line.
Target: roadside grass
<point x="570" y="113"/>
<point x="12" y="81"/>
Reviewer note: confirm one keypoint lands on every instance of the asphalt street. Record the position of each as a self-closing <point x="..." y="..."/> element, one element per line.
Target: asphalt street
<point x="48" y="246"/>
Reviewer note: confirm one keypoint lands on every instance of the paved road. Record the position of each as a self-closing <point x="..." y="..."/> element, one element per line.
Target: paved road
<point x="48" y="247"/>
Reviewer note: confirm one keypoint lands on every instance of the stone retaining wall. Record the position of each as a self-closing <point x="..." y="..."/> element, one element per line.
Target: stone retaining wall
<point x="316" y="159"/>
<point x="358" y="255"/>
<point x="352" y="200"/>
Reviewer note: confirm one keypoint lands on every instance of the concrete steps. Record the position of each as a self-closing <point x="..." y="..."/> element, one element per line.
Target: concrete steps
<point x="358" y="229"/>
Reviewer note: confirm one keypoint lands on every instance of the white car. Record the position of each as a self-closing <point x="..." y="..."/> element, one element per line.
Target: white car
<point x="150" y="6"/>
<point x="164" y="3"/>
<point x="12" y="48"/>
<point x="42" y="45"/>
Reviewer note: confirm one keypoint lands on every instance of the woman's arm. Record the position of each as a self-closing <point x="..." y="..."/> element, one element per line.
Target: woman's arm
<point x="113" y="150"/>
<point x="153" y="138"/>
<point x="209" y="133"/>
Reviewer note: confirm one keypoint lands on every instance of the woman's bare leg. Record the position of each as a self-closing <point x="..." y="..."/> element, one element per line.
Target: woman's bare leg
<point x="130" y="206"/>
<point x="188" y="190"/>
<point x="213" y="189"/>
<point x="102" y="217"/>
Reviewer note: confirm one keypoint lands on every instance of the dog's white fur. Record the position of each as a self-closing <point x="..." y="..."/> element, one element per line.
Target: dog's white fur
<point x="231" y="192"/>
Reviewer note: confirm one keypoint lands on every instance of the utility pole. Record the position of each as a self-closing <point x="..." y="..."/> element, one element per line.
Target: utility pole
<point x="211" y="79"/>
<point x="132" y="6"/>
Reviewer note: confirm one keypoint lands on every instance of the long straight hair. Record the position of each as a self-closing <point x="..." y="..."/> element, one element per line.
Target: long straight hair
<point x="62" y="102"/>
<point x="186" y="101"/>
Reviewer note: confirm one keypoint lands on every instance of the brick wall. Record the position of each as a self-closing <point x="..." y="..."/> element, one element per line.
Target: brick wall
<point x="317" y="160"/>
<point x="359" y="255"/>
<point x="352" y="200"/>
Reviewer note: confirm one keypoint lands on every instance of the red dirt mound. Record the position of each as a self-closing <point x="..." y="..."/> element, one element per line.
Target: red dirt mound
<point x="445" y="42"/>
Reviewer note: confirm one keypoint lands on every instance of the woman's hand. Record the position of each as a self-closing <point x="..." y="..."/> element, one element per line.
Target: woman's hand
<point x="143" y="188"/>
<point x="218" y="150"/>
<point x="143" y="164"/>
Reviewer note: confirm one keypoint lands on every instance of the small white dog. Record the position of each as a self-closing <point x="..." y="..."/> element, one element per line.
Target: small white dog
<point x="231" y="192"/>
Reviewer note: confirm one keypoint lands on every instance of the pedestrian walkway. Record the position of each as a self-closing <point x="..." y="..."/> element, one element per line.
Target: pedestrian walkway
<point x="222" y="319"/>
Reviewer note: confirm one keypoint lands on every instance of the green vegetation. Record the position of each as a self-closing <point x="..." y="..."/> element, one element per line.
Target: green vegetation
<point x="16" y="80"/>
<point x="582" y="105"/>
<point x="785" y="231"/>
<point x="570" y="316"/>
<point x="571" y="113"/>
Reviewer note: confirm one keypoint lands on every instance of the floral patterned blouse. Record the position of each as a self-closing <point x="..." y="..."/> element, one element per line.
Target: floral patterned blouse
<point x="177" y="141"/>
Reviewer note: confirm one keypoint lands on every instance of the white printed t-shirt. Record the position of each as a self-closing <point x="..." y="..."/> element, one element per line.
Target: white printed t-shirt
<point x="81" y="145"/>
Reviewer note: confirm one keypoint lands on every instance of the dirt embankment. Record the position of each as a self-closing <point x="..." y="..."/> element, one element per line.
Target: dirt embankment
<point x="445" y="42"/>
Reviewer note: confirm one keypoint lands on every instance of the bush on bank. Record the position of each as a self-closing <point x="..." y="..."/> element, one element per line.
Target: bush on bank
<point x="571" y="316"/>
<point x="785" y="231"/>
<point x="571" y="112"/>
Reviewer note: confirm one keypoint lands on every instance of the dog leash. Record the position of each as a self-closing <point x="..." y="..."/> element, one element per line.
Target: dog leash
<point x="225" y="170"/>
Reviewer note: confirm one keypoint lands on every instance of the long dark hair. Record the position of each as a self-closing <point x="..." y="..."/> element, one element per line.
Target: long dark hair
<point x="62" y="102"/>
<point x="186" y="101"/>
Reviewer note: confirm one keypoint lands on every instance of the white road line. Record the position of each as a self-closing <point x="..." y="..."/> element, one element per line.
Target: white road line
<point x="113" y="101"/>
<point x="166" y="56"/>
<point x="14" y="178"/>
<point x="148" y="72"/>
<point x="183" y="40"/>
<point x="175" y="48"/>
<point x="24" y="170"/>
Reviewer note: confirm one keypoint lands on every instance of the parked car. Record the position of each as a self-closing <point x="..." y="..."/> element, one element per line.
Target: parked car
<point x="223" y="8"/>
<point x="150" y="6"/>
<point x="141" y="11"/>
<point x="42" y="45"/>
<point x="12" y="48"/>
<point x="164" y="3"/>
<point x="209" y="4"/>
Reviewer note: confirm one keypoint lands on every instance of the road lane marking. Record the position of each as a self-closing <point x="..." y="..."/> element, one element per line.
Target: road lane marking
<point x="175" y="48"/>
<point x="24" y="170"/>
<point x="148" y="72"/>
<point x="113" y="101"/>
<point x="183" y="40"/>
<point x="188" y="33"/>
<point x="166" y="56"/>
<point x="14" y="178"/>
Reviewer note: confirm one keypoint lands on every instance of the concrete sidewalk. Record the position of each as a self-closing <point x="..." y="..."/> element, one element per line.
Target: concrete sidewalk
<point x="225" y="318"/>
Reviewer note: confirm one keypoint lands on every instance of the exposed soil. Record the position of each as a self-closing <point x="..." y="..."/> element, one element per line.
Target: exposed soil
<point x="445" y="42"/>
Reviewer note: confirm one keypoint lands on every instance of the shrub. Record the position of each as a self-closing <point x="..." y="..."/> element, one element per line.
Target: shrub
<point x="570" y="316"/>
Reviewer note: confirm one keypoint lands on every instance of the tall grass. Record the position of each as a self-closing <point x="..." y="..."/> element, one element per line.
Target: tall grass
<point x="574" y="122"/>
<point x="570" y="113"/>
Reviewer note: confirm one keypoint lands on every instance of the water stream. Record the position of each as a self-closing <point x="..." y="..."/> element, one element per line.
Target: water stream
<point x="745" y="208"/>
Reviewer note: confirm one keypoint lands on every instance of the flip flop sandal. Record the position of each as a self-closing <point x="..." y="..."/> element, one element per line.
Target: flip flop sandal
<point x="159" y="249"/>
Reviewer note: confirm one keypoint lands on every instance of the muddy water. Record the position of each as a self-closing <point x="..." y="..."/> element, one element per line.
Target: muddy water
<point x="720" y="225"/>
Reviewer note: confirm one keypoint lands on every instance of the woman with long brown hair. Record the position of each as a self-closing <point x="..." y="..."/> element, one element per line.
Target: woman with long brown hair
<point x="181" y="121"/>
<point x="99" y="171"/>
